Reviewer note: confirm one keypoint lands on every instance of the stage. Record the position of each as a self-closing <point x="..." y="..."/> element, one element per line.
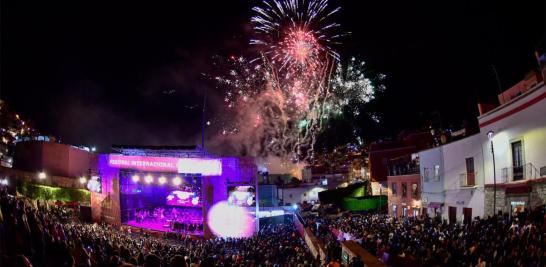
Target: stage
<point x="161" y="227"/>
<point x="173" y="189"/>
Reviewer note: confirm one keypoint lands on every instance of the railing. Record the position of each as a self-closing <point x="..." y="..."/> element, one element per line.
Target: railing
<point x="467" y="179"/>
<point x="411" y="167"/>
<point x="518" y="173"/>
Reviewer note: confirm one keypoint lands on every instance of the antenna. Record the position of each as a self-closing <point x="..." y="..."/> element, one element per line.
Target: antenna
<point x="203" y="121"/>
<point x="498" y="80"/>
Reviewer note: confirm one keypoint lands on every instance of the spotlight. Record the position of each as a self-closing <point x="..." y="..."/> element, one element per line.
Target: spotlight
<point x="42" y="175"/>
<point x="135" y="178"/>
<point x="162" y="180"/>
<point x="4" y="181"/>
<point x="295" y="206"/>
<point x="83" y="180"/>
<point x="148" y="179"/>
<point x="177" y="181"/>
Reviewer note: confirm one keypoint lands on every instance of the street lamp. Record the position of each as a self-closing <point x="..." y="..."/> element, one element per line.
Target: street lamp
<point x="490" y="136"/>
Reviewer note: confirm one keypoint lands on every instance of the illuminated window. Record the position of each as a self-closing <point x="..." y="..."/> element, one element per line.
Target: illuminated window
<point x="414" y="190"/>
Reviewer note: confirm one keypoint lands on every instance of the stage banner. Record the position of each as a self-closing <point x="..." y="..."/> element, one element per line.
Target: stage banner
<point x="203" y="166"/>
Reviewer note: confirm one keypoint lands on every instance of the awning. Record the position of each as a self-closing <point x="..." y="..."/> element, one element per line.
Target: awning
<point x="523" y="189"/>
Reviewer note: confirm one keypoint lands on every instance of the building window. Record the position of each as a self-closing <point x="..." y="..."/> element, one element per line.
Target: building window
<point x="436" y="172"/>
<point x="425" y="174"/>
<point x="470" y="174"/>
<point x="393" y="189"/>
<point x="517" y="160"/>
<point x="414" y="190"/>
<point x="404" y="190"/>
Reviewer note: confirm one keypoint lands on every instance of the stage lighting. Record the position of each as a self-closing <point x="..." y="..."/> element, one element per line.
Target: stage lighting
<point x="177" y="181"/>
<point x="230" y="221"/>
<point x="162" y="180"/>
<point x="148" y="179"/>
<point x="135" y="178"/>
<point x="83" y="180"/>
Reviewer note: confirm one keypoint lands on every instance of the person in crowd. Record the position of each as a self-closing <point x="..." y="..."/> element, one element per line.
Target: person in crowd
<point x="494" y="241"/>
<point x="36" y="235"/>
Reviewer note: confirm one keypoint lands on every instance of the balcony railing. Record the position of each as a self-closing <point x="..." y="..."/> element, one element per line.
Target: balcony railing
<point x="518" y="173"/>
<point x="467" y="179"/>
<point x="411" y="167"/>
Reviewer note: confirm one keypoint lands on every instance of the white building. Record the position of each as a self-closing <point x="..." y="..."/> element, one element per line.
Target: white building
<point x="464" y="179"/>
<point x="518" y="128"/>
<point x="431" y="164"/>
<point x="452" y="180"/>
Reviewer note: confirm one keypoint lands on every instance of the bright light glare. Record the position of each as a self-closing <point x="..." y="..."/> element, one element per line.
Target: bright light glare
<point x="230" y="221"/>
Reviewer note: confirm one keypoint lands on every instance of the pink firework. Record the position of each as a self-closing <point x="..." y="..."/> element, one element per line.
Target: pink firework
<point x="300" y="48"/>
<point x="306" y="20"/>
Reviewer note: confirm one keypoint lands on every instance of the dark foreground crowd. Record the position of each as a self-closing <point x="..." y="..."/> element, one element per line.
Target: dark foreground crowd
<point x="50" y="237"/>
<point x="495" y="241"/>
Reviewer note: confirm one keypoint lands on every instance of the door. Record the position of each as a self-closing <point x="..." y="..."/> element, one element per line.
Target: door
<point x="452" y="214"/>
<point x="517" y="160"/>
<point x="470" y="175"/>
<point x="467" y="213"/>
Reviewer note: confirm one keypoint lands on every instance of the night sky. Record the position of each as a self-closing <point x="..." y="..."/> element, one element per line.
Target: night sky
<point x="126" y="73"/>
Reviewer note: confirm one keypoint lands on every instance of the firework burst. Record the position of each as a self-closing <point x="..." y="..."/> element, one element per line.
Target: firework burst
<point x="279" y="102"/>
<point x="278" y="23"/>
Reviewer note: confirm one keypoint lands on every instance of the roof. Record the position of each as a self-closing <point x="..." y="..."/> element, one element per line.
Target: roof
<point x="162" y="147"/>
<point x="162" y="150"/>
<point x="514" y="105"/>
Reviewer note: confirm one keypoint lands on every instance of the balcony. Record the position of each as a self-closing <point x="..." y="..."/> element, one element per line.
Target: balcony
<point x="406" y="168"/>
<point x="467" y="179"/>
<point x="518" y="173"/>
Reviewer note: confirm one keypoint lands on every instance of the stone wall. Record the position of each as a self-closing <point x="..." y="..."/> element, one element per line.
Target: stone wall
<point x="535" y="198"/>
<point x="501" y="201"/>
<point x="538" y="194"/>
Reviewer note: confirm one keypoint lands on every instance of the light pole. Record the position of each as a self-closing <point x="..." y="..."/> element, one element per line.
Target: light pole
<point x="490" y="136"/>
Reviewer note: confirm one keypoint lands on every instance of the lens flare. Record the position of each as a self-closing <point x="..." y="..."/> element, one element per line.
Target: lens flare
<point x="227" y="220"/>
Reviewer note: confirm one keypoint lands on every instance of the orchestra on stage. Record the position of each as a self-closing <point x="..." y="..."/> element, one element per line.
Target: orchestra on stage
<point x="181" y="220"/>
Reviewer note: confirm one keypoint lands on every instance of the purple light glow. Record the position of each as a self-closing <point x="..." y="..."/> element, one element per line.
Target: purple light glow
<point x="226" y="220"/>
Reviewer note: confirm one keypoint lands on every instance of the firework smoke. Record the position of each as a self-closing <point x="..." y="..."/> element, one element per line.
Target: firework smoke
<point x="278" y="102"/>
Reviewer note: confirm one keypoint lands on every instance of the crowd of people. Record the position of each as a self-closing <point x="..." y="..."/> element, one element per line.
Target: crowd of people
<point x="495" y="241"/>
<point x="32" y="234"/>
<point x="50" y="236"/>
